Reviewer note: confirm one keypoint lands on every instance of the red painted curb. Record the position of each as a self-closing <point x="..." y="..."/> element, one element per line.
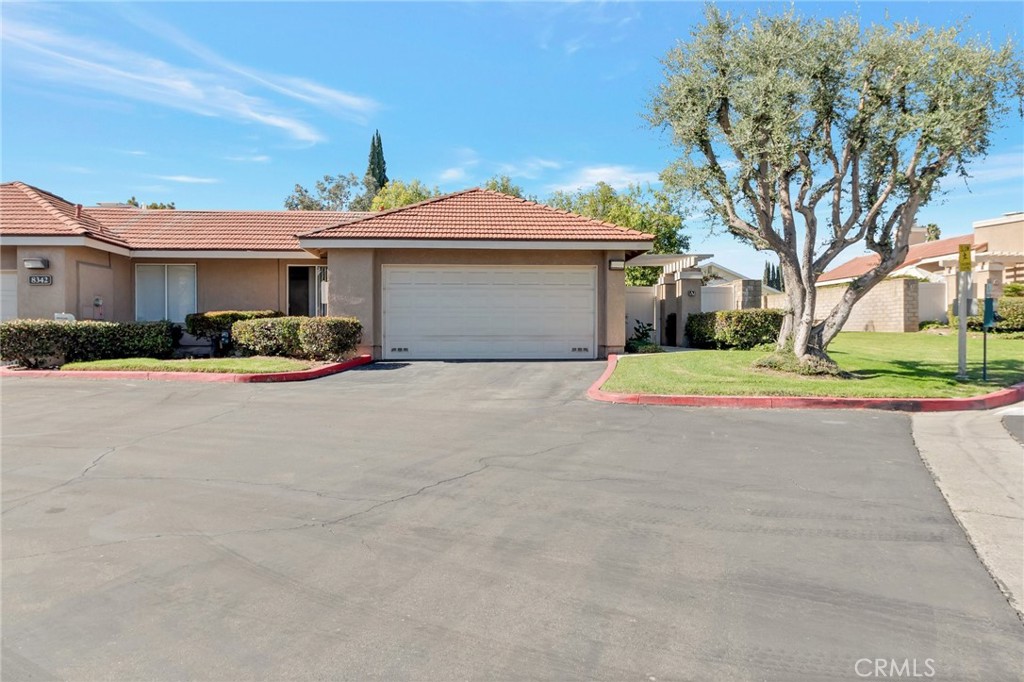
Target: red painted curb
<point x="1000" y="398"/>
<point x="201" y="377"/>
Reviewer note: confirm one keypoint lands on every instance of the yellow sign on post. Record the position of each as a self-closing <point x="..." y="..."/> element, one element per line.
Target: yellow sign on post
<point x="965" y="258"/>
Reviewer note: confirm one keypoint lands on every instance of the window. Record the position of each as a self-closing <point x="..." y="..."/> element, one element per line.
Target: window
<point x="164" y="292"/>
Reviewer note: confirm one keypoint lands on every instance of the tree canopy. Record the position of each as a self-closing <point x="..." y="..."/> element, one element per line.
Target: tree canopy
<point x="397" y="193"/>
<point x="638" y="208"/>
<point x="332" y="193"/>
<point x="153" y="204"/>
<point x="806" y="137"/>
<point x="504" y="184"/>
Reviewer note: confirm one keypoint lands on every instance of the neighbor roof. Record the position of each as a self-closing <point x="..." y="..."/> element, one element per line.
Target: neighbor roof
<point x="480" y="214"/>
<point x="27" y="211"/>
<point x="178" y="230"/>
<point x="917" y="253"/>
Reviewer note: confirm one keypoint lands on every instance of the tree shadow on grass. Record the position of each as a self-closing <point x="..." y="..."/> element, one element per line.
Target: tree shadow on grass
<point x="1003" y="371"/>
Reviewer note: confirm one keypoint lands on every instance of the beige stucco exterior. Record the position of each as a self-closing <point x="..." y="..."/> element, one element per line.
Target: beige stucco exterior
<point x="94" y="284"/>
<point x="355" y="277"/>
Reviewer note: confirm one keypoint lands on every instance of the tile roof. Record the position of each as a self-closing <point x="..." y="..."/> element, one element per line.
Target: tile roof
<point x="480" y="214"/>
<point x="164" y="229"/>
<point x="917" y="253"/>
<point x="27" y="211"/>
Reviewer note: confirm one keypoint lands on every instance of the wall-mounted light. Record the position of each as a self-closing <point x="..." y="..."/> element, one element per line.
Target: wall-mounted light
<point x="691" y="293"/>
<point x="616" y="264"/>
<point x="36" y="263"/>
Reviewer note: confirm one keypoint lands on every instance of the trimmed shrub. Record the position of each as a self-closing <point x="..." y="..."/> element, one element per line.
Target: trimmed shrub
<point x="269" y="336"/>
<point x="1011" y="309"/>
<point x="1014" y="289"/>
<point x="742" y="329"/>
<point x="700" y="330"/>
<point x="46" y="343"/>
<point x="211" y="324"/>
<point x="330" y="338"/>
<point x="1009" y="316"/>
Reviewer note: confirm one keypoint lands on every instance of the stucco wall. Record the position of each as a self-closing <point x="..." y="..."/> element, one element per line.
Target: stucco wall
<point x="1006" y="236"/>
<point x="355" y="283"/>
<point x="235" y="283"/>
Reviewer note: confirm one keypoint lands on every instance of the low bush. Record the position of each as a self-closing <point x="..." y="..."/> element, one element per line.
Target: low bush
<point x="316" y="338"/>
<point x="1014" y="289"/>
<point x="330" y="338"/>
<point x="212" y="324"/>
<point x="46" y="343"/>
<point x="647" y="348"/>
<point x="269" y="336"/>
<point x="742" y="329"/>
<point x="1009" y="316"/>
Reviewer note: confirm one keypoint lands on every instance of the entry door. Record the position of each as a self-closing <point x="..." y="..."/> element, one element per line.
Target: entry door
<point x="306" y="286"/>
<point x="489" y="312"/>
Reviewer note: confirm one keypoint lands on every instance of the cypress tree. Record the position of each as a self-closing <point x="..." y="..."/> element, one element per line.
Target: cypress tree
<point x="377" y="167"/>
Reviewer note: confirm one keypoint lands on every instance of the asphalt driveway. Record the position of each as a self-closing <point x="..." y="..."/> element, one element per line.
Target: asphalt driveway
<point x="441" y="521"/>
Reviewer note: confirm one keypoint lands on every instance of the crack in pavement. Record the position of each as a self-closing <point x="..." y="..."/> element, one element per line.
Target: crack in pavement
<point x="25" y="499"/>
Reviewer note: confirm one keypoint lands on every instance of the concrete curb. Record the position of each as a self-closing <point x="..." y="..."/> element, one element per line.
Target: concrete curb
<point x="201" y="377"/>
<point x="1000" y="398"/>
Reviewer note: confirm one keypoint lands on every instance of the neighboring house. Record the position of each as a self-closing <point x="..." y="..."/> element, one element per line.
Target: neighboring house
<point x="924" y="284"/>
<point x="474" y="274"/>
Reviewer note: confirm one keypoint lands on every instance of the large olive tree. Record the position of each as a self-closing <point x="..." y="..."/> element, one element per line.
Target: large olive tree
<point x="806" y="137"/>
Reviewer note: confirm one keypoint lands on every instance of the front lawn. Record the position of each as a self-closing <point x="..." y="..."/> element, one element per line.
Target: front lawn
<point x="918" y="365"/>
<point x="255" y="365"/>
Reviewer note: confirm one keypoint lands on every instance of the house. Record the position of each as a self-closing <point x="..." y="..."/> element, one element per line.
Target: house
<point x="924" y="284"/>
<point x="474" y="274"/>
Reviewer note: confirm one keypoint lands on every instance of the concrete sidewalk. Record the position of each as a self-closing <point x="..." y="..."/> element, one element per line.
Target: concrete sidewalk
<point x="979" y="467"/>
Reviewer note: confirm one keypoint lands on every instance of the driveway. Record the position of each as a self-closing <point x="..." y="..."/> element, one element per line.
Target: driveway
<point x="440" y="521"/>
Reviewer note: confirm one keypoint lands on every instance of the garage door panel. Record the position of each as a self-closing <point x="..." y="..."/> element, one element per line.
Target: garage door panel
<point x="469" y="312"/>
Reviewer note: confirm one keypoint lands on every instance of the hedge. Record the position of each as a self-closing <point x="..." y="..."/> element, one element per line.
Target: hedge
<point x="212" y="324"/>
<point x="316" y="338"/>
<point x="45" y="343"/>
<point x="330" y="338"/>
<point x="1009" y="313"/>
<point x="269" y="336"/>
<point x="743" y="329"/>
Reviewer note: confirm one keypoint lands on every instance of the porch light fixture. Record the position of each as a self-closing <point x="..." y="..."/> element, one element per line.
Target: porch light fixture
<point x="36" y="263"/>
<point x="616" y="264"/>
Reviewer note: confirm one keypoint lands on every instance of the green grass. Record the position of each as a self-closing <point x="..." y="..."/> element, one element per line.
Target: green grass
<point x="257" y="365"/>
<point x="883" y="365"/>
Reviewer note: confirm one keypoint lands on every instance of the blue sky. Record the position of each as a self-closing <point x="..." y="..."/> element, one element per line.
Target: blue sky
<point x="228" y="105"/>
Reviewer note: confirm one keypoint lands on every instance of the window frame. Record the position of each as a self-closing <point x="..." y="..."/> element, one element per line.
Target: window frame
<point x="195" y="287"/>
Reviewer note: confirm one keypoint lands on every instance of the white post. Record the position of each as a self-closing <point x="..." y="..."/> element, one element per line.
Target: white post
<point x="963" y="280"/>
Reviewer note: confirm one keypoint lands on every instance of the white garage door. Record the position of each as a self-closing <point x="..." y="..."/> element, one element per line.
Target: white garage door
<point x="483" y="313"/>
<point x="8" y="295"/>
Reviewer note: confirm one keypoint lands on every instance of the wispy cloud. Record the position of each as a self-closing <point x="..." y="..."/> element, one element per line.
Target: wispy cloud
<point x="453" y="174"/>
<point x="188" y="179"/>
<point x="251" y="158"/>
<point x="618" y="177"/>
<point x="529" y="168"/>
<point x="220" y="88"/>
<point x="134" y="152"/>
<point x="997" y="168"/>
<point x="466" y="159"/>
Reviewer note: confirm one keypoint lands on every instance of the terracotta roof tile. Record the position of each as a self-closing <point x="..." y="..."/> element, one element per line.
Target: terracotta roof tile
<point x="163" y="229"/>
<point x="28" y="211"/>
<point x="917" y="253"/>
<point x="480" y="214"/>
